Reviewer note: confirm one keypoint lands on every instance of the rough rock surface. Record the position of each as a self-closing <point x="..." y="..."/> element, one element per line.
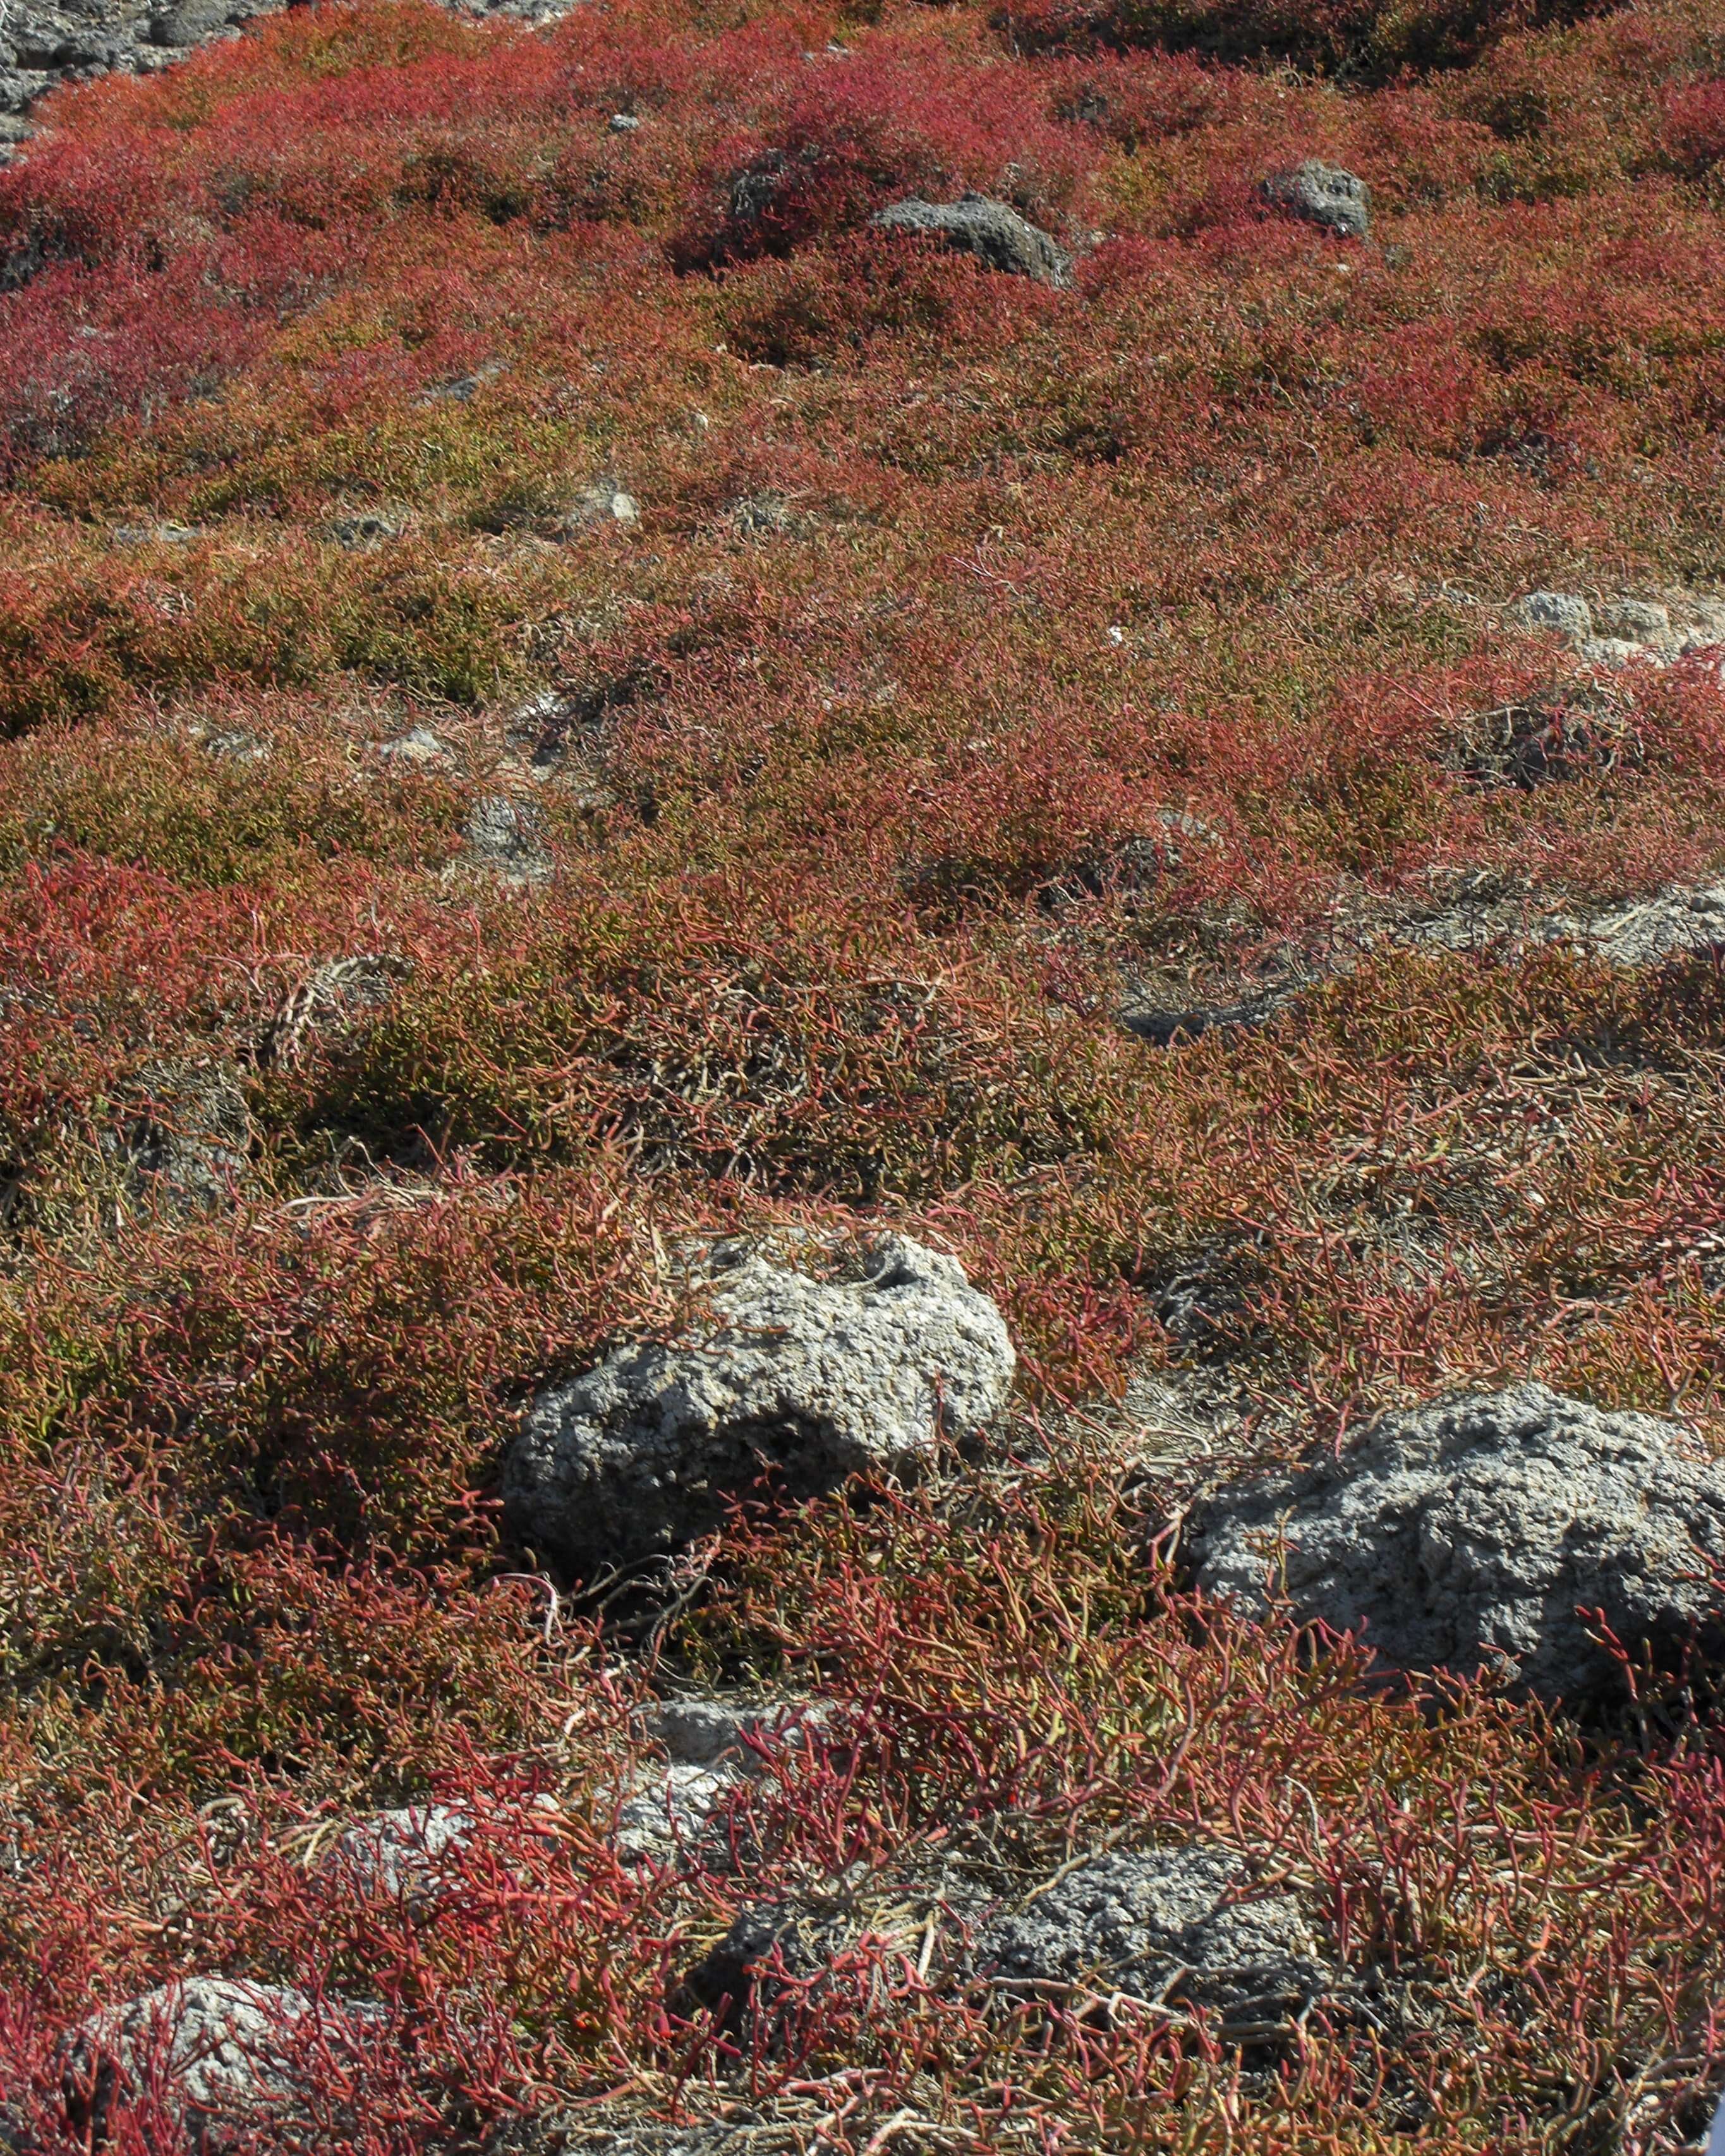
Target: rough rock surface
<point x="666" y="1809"/>
<point x="506" y="836"/>
<point x="337" y="994"/>
<point x="1481" y="1527"/>
<point x="399" y="1854"/>
<point x="221" y="2053"/>
<point x="1168" y="1923"/>
<point x="817" y="1380"/>
<point x="1322" y="194"/>
<point x="1647" y="929"/>
<point x="1607" y="634"/>
<point x="991" y="231"/>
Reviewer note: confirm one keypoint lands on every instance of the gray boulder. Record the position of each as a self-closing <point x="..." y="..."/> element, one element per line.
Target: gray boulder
<point x="507" y="837"/>
<point x="816" y="1380"/>
<point x="217" y="2055"/>
<point x="1482" y="1530"/>
<point x="1166" y="1924"/>
<point x="991" y="231"/>
<point x="1321" y="194"/>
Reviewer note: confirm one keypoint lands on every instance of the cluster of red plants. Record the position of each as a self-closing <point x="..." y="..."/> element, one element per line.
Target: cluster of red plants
<point x="975" y="657"/>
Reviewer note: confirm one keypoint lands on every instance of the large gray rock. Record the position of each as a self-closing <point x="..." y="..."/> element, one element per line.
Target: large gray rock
<point x="1168" y="1924"/>
<point x="1482" y="1529"/>
<point x="215" y="2055"/>
<point x="991" y="231"/>
<point x="1322" y="194"/>
<point x="1558" y="614"/>
<point x="816" y="1380"/>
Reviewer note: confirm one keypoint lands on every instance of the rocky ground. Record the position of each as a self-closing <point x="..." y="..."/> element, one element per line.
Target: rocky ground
<point x="861" y="1204"/>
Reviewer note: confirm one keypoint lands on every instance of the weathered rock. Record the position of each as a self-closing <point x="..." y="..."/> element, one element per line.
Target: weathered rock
<point x="417" y="745"/>
<point x="507" y="835"/>
<point x="1634" y="621"/>
<point x="1480" y="1530"/>
<point x="1168" y="1924"/>
<point x="367" y="529"/>
<point x="1322" y="194"/>
<point x="157" y="535"/>
<point x="44" y="42"/>
<point x="991" y="231"/>
<point x="770" y="1948"/>
<point x="217" y="2055"/>
<point x="1560" y="613"/>
<point x="1610" y="652"/>
<point x="815" y="1379"/>
<point x="602" y="503"/>
<point x="400" y="1853"/>
<point x="665" y="1814"/>
<point x="1165" y="1024"/>
<point x="1647" y="929"/>
<point x="185" y="1138"/>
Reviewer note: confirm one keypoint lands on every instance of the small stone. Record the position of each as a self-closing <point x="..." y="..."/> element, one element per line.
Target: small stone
<point x="418" y="745"/>
<point x="186" y="1142"/>
<point x="1168" y="1924"/>
<point x="600" y="504"/>
<point x="366" y="529"/>
<point x="1561" y="613"/>
<point x="1609" y="652"/>
<point x="1486" y="1530"/>
<point x="623" y="123"/>
<point x="1648" y="930"/>
<point x="465" y="387"/>
<point x="991" y="231"/>
<point x="507" y="835"/>
<point x="399" y="1854"/>
<point x="815" y="1379"/>
<point x="1321" y="194"/>
<point x="234" y="745"/>
<point x="157" y="535"/>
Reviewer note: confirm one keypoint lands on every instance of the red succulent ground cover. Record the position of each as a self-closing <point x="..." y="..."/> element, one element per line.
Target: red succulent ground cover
<point x="854" y="752"/>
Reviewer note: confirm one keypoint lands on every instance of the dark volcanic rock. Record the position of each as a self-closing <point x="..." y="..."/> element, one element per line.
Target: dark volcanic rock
<point x="1487" y="1528"/>
<point x="817" y="1380"/>
<point x="1168" y="1924"/>
<point x="991" y="231"/>
<point x="1322" y="194"/>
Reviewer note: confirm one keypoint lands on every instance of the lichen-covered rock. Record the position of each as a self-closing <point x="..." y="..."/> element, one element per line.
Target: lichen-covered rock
<point x="815" y="1379"/>
<point x="216" y="2055"/>
<point x="1322" y="194"/>
<point x="1486" y="1529"/>
<point x="991" y="231"/>
<point x="1168" y="1924"/>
